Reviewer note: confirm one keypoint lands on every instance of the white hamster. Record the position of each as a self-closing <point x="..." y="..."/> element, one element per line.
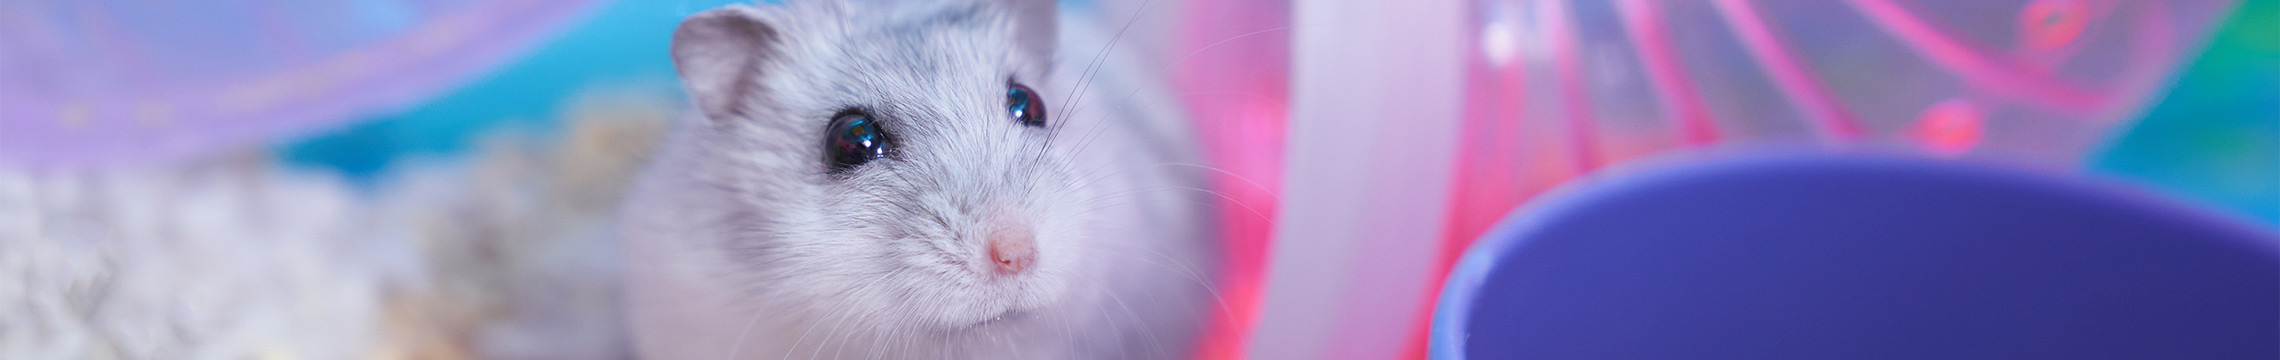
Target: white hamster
<point x="918" y="179"/>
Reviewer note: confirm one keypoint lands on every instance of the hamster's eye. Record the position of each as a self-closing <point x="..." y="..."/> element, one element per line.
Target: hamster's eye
<point x="855" y="139"/>
<point x="1024" y="105"/>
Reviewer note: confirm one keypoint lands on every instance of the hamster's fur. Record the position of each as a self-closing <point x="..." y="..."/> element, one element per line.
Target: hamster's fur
<point x="742" y="242"/>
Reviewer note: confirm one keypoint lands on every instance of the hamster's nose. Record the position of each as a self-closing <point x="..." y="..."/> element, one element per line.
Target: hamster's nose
<point x="1013" y="249"/>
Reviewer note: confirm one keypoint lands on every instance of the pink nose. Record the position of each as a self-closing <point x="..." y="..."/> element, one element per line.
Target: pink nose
<point x="1013" y="249"/>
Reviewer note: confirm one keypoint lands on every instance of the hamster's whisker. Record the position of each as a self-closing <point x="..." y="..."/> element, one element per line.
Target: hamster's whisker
<point x="1001" y="338"/>
<point x="746" y="334"/>
<point x="1246" y="180"/>
<point x="1175" y="64"/>
<point x="851" y="331"/>
<point x="1043" y="148"/>
<point x="1086" y="142"/>
<point x="1192" y="274"/>
<point x="874" y="345"/>
<point x="1223" y="196"/>
<point x="1135" y="316"/>
<point x="843" y="317"/>
<point x="1084" y="81"/>
<point x="1121" y="198"/>
<point x="1069" y="333"/>
<point x="1254" y="95"/>
<point x="903" y="344"/>
<point x="835" y="309"/>
<point x="1087" y="180"/>
<point x="863" y="325"/>
<point x="1167" y="68"/>
<point x="1102" y="309"/>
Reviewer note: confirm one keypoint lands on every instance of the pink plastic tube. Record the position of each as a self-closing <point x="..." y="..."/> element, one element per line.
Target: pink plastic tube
<point x="1795" y="81"/>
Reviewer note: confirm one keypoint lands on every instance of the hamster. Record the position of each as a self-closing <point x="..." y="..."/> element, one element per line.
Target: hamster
<point x="917" y="180"/>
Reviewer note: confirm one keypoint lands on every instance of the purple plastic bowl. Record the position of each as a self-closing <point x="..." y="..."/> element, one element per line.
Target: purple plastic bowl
<point x="1849" y="257"/>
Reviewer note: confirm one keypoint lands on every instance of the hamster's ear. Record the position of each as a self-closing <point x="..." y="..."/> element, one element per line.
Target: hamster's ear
<point x="1037" y="25"/>
<point x="719" y="54"/>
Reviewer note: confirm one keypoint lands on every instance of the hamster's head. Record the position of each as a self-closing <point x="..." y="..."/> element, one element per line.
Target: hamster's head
<point x="887" y="159"/>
